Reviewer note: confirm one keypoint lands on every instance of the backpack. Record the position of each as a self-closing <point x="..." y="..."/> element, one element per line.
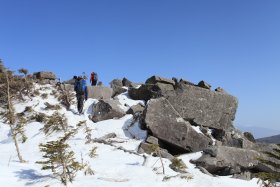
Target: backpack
<point x="80" y="87"/>
<point x="94" y="76"/>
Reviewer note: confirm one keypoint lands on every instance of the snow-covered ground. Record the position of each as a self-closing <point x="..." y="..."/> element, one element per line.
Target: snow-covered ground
<point x="112" y="167"/>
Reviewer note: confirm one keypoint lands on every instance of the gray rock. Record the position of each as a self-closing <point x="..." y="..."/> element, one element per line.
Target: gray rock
<point x="135" y="109"/>
<point x="203" y="107"/>
<point x="231" y="160"/>
<point x="99" y="92"/>
<point x="154" y="150"/>
<point x="106" y="109"/>
<point x="100" y="83"/>
<point x="116" y="83"/>
<point x="167" y="125"/>
<point x="126" y="82"/>
<point x="203" y="170"/>
<point x="211" y="151"/>
<point x="45" y="75"/>
<point x="117" y="87"/>
<point x="228" y="160"/>
<point x="157" y="79"/>
<point x="186" y="82"/>
<point x="118" y="91"/>
<point x="249" y="137"/>
<point x="165" y="87"/>
<point x="219" y="89"/>
<point x="152" y="140"/>
<point x="46" y="81"/>
<point x="144" y="92"/>
<point x="232" y="138"/>
<point x="204" y="84"/>
<point x="164" y="154"/>
<point x="246" y="175"/>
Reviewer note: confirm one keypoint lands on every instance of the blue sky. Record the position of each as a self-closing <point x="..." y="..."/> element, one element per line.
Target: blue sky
<point x="233" y="44"/>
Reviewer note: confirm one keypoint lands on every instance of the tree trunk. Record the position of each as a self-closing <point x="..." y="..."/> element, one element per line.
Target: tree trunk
<point x="12" y="119"/>
<point x="64" y="167"/>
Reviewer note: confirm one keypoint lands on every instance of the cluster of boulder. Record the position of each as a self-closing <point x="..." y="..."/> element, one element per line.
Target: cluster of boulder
<point x="183" y="117"/>
<point x="44" y="77"/>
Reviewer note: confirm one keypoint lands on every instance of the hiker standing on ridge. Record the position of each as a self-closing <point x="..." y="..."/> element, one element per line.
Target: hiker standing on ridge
<point x="81" y="93"/>
<point x="93" y="79"/>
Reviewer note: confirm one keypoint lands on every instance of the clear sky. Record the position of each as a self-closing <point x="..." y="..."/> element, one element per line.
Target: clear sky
<point x="234" y="44"/>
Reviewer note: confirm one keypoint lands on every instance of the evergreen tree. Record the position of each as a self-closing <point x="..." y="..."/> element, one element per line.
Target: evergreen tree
<point x="60" y="159"/>
<point x="54" y="123"/>
<point x="8" y="93"/>
<point x="269" y="179"/>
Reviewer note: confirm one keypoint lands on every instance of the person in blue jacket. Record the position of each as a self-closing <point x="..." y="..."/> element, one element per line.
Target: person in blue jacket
<point x="80" y="88"/>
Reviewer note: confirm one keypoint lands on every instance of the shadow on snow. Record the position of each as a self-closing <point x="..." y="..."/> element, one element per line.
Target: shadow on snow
<point x="31" y="176"/>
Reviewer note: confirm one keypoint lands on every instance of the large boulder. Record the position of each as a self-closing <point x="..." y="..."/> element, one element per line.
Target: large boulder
<point x="99" y="92"/>
<point x="117" y="86"/>
<point x="153" y="88"/>
<point x="157" y="79"/>
<point x="116" y="83"/>
<point x="106" y="109"/>
<point x="127" y="83"/>
<point x="45" y="75"/>
<point x="203" y="107"/>
<point x="167" y="125"/>
<point x="204" y="84"/>
<point x="136" y="109"/>
<point x="232" y="138"/>
<point x="145" y="92"/>
<point x="223" y="160"/>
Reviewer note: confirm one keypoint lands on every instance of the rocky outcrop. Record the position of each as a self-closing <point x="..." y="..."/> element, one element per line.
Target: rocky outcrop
<point x="223" y="160"/>
<point x="153" y="88"/>
<point x="184" y="117"/>
<point x="135" y="109"/>
<point x="116" y="83"/>
<point x="127" y="83"/>
<point x="205" y="108"/>
<point x="157" y="79"/>
<point x="106" y="109"/>
<point x="204" y="84"/>
<point x="118" y="86"/>
<point x="144" y="92"/>
<point x="99" y="92"/>
<point x="44" y="75"/>
<point x="166" y="124"/>
<point x="154" y="150"/>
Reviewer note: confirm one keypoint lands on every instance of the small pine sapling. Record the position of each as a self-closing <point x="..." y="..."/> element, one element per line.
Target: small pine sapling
<point x="87" y="131"/>
<point x="19" y="128"/>
<point x="55" y="123"/>
<point x="60" y="159"/>
<point x="44" y="95"/>
<point x="52" y="107"/>
<point x="178" y="165"/>
<point x="92" y="152"/>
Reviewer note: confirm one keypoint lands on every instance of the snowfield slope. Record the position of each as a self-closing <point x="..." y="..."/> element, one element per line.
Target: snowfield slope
<point x="112" y="167"/>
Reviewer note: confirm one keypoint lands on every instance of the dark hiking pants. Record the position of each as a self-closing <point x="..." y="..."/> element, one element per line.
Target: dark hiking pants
<point x="93" y="82"/>
<point x="80" y="102"/>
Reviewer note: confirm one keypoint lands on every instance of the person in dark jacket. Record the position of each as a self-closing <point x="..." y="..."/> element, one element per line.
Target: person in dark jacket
<point x="80" y="88"/>
<point x="93" y="78"/>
